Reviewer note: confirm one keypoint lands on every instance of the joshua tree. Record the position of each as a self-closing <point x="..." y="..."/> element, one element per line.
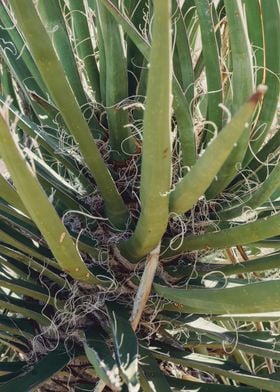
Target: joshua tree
<point x="141" y="147"/>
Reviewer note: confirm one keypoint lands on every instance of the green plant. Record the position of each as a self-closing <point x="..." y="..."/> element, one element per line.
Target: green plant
<point x="142" y="188"/>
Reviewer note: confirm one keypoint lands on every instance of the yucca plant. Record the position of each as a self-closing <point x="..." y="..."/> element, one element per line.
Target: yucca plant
<point x="139" y="205"/>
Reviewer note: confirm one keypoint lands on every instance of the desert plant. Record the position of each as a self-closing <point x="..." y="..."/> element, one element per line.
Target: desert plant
<point x="141" y="189"/>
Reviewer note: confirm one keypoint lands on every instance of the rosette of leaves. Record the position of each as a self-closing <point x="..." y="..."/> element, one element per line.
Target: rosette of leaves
<point x="139" y="201"/>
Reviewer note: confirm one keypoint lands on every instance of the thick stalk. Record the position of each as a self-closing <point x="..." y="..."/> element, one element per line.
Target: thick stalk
<point x="156" y="157"/>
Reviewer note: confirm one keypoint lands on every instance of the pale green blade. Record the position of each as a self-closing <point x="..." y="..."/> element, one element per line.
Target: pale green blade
<point x="243" y="234"/>
<point x="247" y="298"/>
<point x="156" y="156"/>
<point x="193" y="185"/>
<point x="42" y="212"/>
<point x="53" y="74"/>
